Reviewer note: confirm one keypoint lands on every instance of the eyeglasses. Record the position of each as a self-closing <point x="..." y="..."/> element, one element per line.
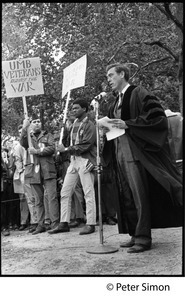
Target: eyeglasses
<point x="36" y="121"/>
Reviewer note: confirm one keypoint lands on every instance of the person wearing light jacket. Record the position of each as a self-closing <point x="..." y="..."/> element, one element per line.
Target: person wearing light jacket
<point x="82" y="149"/>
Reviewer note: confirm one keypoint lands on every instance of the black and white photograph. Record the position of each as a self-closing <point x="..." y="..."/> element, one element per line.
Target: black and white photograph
<point x="92" y="149"/>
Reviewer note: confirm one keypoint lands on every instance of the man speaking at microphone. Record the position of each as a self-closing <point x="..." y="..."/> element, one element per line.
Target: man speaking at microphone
<point x="149" y="183"/>
<point x="82" y="149"/>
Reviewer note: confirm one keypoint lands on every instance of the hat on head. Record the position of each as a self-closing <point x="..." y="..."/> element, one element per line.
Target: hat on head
<point x="35" y="117"/>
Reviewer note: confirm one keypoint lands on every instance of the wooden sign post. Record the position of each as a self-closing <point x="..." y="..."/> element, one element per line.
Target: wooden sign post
<point x="28" y="129"/>
<point x="64" y="119"/>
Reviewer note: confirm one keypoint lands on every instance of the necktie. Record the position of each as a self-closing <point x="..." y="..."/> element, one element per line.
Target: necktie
<point x="120" y="100"/>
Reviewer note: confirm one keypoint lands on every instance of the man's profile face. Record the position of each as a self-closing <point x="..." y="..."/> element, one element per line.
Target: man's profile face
<point x="115" y="79"/>
<point x="36" y="125"/>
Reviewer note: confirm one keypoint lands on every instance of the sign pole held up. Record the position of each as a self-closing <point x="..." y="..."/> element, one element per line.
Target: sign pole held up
<point x="28" y="129"/>
<point x="64" y="119"/>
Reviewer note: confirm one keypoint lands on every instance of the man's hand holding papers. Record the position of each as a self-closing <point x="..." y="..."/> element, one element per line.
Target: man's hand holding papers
<point x="114" y="127"/>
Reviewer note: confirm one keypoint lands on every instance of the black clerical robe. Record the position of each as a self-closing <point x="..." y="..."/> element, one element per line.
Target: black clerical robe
<point x="147" y="135"/>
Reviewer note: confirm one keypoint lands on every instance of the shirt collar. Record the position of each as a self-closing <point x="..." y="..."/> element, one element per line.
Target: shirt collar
<point x="124" y="89"/>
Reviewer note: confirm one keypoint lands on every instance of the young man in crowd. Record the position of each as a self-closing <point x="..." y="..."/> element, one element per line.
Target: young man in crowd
<point x="42" y="171"/>
<point x="82" y="149"/>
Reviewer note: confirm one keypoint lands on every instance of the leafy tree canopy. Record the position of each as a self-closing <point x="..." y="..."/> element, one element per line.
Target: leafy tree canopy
<point x="149" y="35"/>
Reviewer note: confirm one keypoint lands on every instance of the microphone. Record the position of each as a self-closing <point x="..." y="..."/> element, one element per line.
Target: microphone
<point x="98" y="98"/>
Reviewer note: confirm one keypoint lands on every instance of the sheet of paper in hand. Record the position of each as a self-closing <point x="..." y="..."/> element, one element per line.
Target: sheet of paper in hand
<point x="113" y="131"/>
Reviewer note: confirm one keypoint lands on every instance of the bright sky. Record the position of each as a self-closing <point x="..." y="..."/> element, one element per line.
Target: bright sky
<point x="57" y="54"/>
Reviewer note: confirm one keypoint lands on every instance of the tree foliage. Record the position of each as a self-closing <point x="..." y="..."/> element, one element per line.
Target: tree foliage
<point x="146" y="34"/>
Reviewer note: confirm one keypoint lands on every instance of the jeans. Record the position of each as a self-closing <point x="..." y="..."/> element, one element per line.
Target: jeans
<point x="75" y="170"/>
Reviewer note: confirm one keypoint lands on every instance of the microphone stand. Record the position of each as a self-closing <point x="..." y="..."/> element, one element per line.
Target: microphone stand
<point x="100" y="249"/>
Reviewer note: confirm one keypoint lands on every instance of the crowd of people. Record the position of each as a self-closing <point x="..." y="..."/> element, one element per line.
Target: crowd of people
<point x="55" y="185"/>
<point x="34" y="188"/>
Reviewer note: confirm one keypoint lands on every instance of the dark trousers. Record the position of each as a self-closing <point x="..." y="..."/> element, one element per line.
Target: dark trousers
<point x="108" y="195"/>
<point x="134" y="186"/>
<point x="10" y="205"/>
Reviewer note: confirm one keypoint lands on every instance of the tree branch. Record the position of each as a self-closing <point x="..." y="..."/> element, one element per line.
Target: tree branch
<point x="150" y="63"/>
<point x="160" y="44"/>
<point x="167" y="12"/>
<point x="116" y="52"/>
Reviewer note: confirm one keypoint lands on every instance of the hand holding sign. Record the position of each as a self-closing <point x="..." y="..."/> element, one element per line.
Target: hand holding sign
<point x="26" y="123"/>
<point x="61" y="148"/>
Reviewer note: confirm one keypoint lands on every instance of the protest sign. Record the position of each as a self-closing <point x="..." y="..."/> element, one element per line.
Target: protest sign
<point x="74" y="75"/>
<point x="22" y="77"/>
